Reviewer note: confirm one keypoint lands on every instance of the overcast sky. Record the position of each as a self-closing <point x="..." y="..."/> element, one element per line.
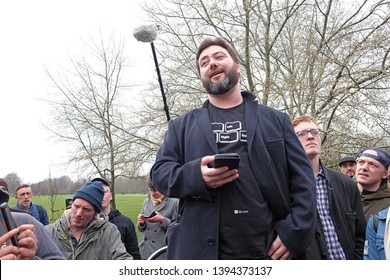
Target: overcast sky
<point x="40" y="33"/>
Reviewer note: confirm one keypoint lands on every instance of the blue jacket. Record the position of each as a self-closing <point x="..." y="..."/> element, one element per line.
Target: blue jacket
<point x="374" y="247"/>
<point x="278" y="161"/>
<point x="33" y="209"/>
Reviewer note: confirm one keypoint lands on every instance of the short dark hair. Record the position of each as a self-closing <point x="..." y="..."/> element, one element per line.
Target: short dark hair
<point x="103" y="180"/>
<point x="21" y="187"/>
<point x="215" y="42"/>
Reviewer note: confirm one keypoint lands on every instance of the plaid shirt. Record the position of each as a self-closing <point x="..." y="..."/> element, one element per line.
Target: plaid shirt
<point x="334" y="248"/>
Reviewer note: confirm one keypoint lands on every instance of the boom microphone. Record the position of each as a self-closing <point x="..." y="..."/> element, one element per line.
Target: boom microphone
<point x="146" y="33"/>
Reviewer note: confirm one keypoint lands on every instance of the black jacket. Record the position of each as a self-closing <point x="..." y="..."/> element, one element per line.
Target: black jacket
<point x="347" y="216"/>
<point x="127" y="230"/>
<point x="278" y="162"/>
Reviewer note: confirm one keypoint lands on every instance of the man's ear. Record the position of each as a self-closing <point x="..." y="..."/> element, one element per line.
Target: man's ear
<point x="238" y="65"/>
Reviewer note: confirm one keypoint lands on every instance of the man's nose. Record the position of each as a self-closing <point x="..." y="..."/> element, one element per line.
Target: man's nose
<point x="212" y="62"/>
<point x="309" y="135"/>
<point x="363" y="166"/>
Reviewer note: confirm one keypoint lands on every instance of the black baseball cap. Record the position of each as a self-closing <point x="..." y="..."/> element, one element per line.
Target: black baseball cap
<point x="347" y="159"/>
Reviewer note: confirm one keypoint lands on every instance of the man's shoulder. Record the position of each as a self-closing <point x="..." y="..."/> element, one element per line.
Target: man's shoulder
<point x="23" y="218"/>
<point x="383" y="213"/>
<point x="121" y="218"/>
<point x="189" y="114"/>
<point x="109" y="228"/>
<point x="38" y="206"/>
<point x="335" y="174"/>
<point x="340" y="180"/>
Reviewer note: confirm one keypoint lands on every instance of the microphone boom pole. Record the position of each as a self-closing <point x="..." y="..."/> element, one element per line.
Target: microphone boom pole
<point x="147" y="34"/>
<point x="166" y="108"/>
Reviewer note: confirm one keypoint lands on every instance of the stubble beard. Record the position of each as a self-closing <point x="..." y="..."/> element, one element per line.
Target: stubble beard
<point x="229" y="81"/>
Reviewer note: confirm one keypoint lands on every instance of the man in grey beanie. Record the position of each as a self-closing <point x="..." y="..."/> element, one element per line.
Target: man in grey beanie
<point x="83" y="233"/>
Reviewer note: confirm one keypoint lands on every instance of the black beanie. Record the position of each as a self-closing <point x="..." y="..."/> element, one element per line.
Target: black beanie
<point x="4" y="184"/>
<point x="4" y="196"/>
<point x="93" y="193"/>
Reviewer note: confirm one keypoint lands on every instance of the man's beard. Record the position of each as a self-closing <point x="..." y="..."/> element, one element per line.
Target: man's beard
<point x="230" y="80"/>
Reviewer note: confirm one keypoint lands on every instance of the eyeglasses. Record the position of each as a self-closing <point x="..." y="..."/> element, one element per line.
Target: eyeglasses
<point x="27" y="194"/>
<point x="305" y="133"/>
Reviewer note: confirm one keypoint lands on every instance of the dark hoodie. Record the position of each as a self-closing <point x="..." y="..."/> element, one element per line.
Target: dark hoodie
<point x="127" y="230"/>
<point x="373" y="202"/>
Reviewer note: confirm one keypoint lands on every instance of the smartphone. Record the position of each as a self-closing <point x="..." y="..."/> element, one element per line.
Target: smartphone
<point x="151" y="215"/>
<point x="231" y="160"/>
<point x="7" y="221"/>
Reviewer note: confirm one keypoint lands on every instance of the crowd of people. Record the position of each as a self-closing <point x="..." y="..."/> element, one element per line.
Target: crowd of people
<point x="281" y="202"/>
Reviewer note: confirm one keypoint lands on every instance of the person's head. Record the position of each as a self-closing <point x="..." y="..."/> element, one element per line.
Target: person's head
<point x="154" y="193"/>
<point x="107" y="192"/>
<point x="4" y="185"/>
<point x="87" y="202"/>
<point x="24" y="195"/>
<point x="348" y="166"/>
<point x="371" y="168"/>
<point x="218" y="66"/>
<point x="4" y="195"/>
<point x="309" y="134"/>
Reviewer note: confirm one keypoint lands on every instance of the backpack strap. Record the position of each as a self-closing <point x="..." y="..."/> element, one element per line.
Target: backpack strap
<point x="40" y="212"/>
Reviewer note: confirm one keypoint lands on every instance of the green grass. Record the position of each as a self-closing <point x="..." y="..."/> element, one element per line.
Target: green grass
<point x="128" y="204"/>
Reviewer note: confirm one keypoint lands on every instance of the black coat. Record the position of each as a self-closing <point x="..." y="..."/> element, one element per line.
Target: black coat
<point x="347" y="215"/>
<point x="127" y="230"/>
<point x="278" y="162"/>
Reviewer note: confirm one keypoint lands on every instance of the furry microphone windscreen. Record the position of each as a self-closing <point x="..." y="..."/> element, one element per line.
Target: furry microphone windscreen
<point x="146" y="33"/>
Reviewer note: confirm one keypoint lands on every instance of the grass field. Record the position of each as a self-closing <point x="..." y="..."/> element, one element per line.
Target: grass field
<point x="128" y="204"/>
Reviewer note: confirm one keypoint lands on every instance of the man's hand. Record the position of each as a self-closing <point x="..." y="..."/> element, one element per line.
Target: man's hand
<point x="216" y="177"/>
<point x="9" y="252"/>
<point x="27" y="247"/>
<point x="278" y="251"/>
<point x="28" y="242"/>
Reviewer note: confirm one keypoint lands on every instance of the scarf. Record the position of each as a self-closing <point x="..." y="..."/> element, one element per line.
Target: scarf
<point x="387" y="236"/>
<point x="158" y="200"/>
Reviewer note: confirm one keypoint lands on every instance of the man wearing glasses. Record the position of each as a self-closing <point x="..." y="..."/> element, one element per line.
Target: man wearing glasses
<point x="340" y="228"/>
<point x="24" y="196"/>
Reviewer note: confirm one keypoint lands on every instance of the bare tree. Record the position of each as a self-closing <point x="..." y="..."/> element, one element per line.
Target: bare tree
<point x="329" y="59"/>
<point x="52" y="195"/>
<point x="13" y="180"/>
<point x="89" y="113"/>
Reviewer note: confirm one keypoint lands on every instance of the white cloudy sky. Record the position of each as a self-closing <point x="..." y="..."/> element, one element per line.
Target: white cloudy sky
<point x="40" y="33"/>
